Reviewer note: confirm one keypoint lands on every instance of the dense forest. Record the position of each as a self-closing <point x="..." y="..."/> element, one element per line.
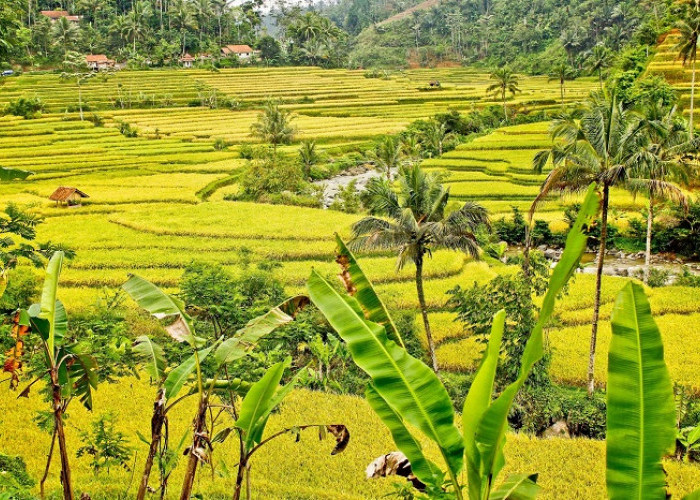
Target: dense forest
<point x="530" y="36"/>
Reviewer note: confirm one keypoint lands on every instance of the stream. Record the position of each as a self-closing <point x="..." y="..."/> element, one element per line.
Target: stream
<point x="333" y="186"/>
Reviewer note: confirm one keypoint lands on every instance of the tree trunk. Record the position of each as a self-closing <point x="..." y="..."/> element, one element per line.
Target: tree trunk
<point x="49" y="456"/>
<point x="198" y="443"/>
<point x="692" y="102"/>
<point x="647" y="254"/>
<point x="80" y="101"/>
<point x="240" y="476"/>
<point x="505" y="108"/>
<point x="598" y="283"/>
<point x="157" y="421"/>
<point x="424" y="311"/>
<point x="61" y="435"/>
<point x="526" y="251"/>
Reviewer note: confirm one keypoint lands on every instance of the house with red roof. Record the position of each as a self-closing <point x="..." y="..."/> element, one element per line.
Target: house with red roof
<point x="243" y="52"/>
<point x="55" y="15"/>
<point x="99" y="61"/>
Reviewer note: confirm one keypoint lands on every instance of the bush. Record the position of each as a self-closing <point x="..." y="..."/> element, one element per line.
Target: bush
<point x="107" y="446"/>
<point x="127" y="130"/>
<point x="271" y="174"/>
<point x="536" y="409"/>
<point x="348" y="199"/>
<point x="511" y="231"/>
<point x="688" y="279"/>
<point x="26" y="107"/>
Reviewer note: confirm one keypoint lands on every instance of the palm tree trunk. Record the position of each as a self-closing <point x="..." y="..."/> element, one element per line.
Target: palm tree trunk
<point x="692" y="102"/>
<point x="505" y="108"/>
<point x="526" y="251"/>
<point x="600" y="78"/>
<point x="598" y="283"/>
<point x="424" y="312"/>
<point x="61" y="435"/>
<point x="157" y="421"/>
<point x="562" y="93"/>
<point x="647" y="254"/>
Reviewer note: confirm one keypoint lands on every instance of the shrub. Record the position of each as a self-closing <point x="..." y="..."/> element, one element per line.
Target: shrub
<point x="271" y="175"/>
<point x="688" y="279"/>
<point x="15" y="482"/>
<point x="127" y="130"/>
<point x="348" y="199"/>
<point x="511" y="231"/>
<point x="107" y="446"/>
<point x="26" y="107"/>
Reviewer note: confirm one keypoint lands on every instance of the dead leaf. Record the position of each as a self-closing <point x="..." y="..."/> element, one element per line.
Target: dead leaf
<point x="342" y="437"/>
<point x="179" y="330"/>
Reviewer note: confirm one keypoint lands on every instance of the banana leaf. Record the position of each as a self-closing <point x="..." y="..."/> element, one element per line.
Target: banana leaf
<point x="11" y="174"/>
<point x="406" y="384"/>
<point x="48" y="300"/>
<point x="477" y="402"/>
<point x="247" y="337"/>
<point x="162" y="306"/>
<point x="255" y="408"/>
<point x="425" y="470"/>
<point x="640" y="404"/>
<point x="152" y="354"/>
<point x="491" y="431"/>
<point x="517" y="487"/>
<point x="177" y="378"/>
<point x="693" y="496"/>
<point x="357" y="284"/>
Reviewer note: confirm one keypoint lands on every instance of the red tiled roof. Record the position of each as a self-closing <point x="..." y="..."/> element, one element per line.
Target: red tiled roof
<point x="97" y="58"/>
<point x="236" y="49"/>
<point x="54" y="14"/>
<point x="64" y="193"/>
<point x="187" y="58"/>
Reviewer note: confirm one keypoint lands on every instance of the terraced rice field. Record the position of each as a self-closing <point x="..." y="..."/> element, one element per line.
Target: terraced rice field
<point x="145" y="215"/>
<point x="667" y="64"/>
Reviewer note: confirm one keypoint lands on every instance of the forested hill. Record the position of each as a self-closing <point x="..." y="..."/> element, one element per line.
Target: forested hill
<point x="528" y="34"/>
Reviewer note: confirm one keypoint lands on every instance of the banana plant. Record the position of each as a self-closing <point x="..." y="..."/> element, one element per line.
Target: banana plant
<point x="222" y="352"/>
<point x="641" y="426"/>
<point x="404" y="391"/>
<point x="70" y="370"/>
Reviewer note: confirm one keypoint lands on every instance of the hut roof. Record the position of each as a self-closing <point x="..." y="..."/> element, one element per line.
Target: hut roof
<point x="57" y="14"/>
<point x="64" y="194"/>
<point x="187" y="58"/>
<point x="98" y="58"/>
<point x="237" y="49"/>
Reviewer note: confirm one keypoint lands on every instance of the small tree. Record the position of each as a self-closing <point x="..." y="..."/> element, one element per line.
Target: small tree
<point x="505" y="81"/>
<point x="561" y="73"/>
<point x="77" y="72"/>
<point x="387" y="155"/>
<point x="308" y="157"/>
<point x="107" y="446"/>
<point x="274" y="125"/>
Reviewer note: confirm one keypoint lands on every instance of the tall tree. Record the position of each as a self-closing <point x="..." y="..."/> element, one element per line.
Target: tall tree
<point x="600" y="148"/>
<point x="600" y="59"/>
<point x="387" y="155"/>
<point x="274" y="125"/>
<point x="561" y="73"/>
<point x="65" y="33"/>
<point x="687" y="48"/>
<point x="661" y="163"/>
<point x="414" y="222"/>
<point x="182" y="17"/>
<point x="505" y="81"/>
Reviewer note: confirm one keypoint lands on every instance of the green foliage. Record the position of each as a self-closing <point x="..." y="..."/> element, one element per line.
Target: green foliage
<point x="274" y="125"/>
<point x="641" y="410"/>
<point x="348" y="199"/>
<point x="271" y="175"/>
<point x="106" y="446"/>
<point x="26" y="107"/>
<point x="15" y="481"/>
<point x="476" y="307"/>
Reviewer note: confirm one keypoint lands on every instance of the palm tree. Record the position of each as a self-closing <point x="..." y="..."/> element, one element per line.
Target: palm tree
<point x="387" y="155"/>
<point x="182" y="18"/>
<point x="505" y="81"/>
<point x="65" y="32"/>
<point x="600" y="59"/>
<point x="660" y="163"/>
<point x="435" y="135"/>
<point x="598" y="148"/>
<point x="77" y="71"/>
<point x="274" y="125"/>
<point x="561" y="73"/>
<point x="308" y="157"/>
<point x="687" y="48"/>
<point x="202" y="9"/>
<point x="414" y="222"/>
<point x="133" y="27"/>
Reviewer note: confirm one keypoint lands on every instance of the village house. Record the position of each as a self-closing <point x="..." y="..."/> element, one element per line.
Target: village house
<point x="187" y="61"/>
<point x="243" y="52"/>
<point x="55" y="15"/>
<point x="99" y="61"/>
<point x="69" y="195"/>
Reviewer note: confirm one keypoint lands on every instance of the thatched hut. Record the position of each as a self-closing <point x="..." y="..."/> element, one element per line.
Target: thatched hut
<point x="69" y="195"/>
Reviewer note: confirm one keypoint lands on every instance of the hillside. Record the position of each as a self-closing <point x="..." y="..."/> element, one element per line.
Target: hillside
<point x="524" y="34"/>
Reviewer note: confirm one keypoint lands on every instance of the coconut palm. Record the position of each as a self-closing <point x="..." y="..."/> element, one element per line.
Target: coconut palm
<point x="599" y="59"/>
<point x="661" y="163"/>
<point x="65" y="32"/>
<point x="182" y="18"/>
<point x="561" y="73"/>
<point x="687" y="48"/>
<point x="388" y="155"/>
<point x="435" y="135"/>
<point x="414" y="222"/>
<point x="308" y="157"/>
<point x="202" y="11"/>
<point x="274" y="126"/>
<point x="505" y="81"/>
<point x="598" y="148"/>
<point x="134" y="27"/>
